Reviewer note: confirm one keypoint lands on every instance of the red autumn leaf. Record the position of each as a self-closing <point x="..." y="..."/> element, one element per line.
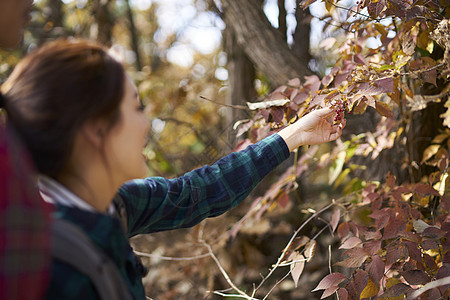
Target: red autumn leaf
<point x="372" y="196"/>
<point x="414" y="251"/>
<point x="416" y="277"/>
<point x="294" y="82"/>
<point x="318" y="101"/>
<point x="384" y="109"/>
<point x="396" y="290"/>
<point x="351" y="242"/>
<point x="393" y="254"/>
<point x="423" y="189"/>
<point x="300" y="97"/>
<point x="297" y="267"/>
<point x="415" y="11"/>
<point x="369" y="89"/>
<point x="334" y="220"/>
<point x="372" y="247"/>
<point x="429" y="261"/>
<point x="359" y="59"/>
<point x="343" y="294"/>
<point x="386" y="85"/>
<point x="330" y="280"/>
<point x="361" y="278"/>
<point x="443" y="272"/>
<point x="381" y="218"/>
<point x="376" y="8"/>
<point x="343" y="230"/>
<point x="393" y="228"/>
<point x="375" y="269"/>
<point x="429" y="244"/>
<point x="433" y="233"/>
<point x="329" y="291"/>
<point x="371" y="235"/>
<point x="390" y="180"/>
<point x="445" y="202"/>
<point x="326" y="80"/>
<point x="355" y="258"/>
<point x="277" y="114"/>
<point x="446" y="258"/>
<point x="312" y="82"/>
<point x="283" y="200"/>
<point x="361" y="105"/>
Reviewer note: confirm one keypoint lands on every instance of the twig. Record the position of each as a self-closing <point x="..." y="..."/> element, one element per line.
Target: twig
<point x="429" y="286"/>
<point x="171" y="258"/>
<point x="276" y="284"/>
<point x="232" y="295"/>
<point x="329" y="267"/>
<point x="356" y="12"/>
<point x="292" y="240"/>
<point x="224" y="273"/>
<point x="242" y="107"/>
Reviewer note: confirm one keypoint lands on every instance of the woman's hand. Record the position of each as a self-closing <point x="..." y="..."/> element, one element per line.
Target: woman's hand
<point x="314" y="128"/>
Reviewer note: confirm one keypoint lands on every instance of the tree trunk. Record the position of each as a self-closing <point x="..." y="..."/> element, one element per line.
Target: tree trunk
<point x="56" y="14"/>
<point x="263" y="44"/>
<point x="282" y="23"/>
<point x="103" y="25"/>
<point x="134" y="36"/>
<point x="241" y="76"/>
<point x="302" y="32"/>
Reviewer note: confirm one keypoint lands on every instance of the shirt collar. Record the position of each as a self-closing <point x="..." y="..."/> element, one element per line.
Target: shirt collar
<point x="54" y="192"/>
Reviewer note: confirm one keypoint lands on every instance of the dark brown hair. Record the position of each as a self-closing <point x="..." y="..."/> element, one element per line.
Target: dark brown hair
<point x="56" y="89"/>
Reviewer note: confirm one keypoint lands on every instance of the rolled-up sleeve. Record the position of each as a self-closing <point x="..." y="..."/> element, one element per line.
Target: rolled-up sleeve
<point x="156" y="204"/>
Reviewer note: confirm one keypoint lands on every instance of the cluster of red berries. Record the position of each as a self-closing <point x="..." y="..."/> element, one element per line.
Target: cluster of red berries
<point x="360" y="4"/>
<point x="339" y="108"/>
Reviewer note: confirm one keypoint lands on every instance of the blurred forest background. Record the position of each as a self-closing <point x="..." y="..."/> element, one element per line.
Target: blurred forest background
<point x="197" y="64"/>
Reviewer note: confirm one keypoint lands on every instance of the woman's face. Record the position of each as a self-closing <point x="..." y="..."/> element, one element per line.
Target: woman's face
<point x="126" y="141"/>
<point x="14" y="15"/>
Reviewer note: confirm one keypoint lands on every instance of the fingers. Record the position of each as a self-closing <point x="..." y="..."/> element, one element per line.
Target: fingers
<point x="336" y="130"/>
<point x="323" y="112"/>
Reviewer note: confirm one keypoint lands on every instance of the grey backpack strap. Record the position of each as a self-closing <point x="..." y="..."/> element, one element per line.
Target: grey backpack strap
<point x="73" y="247"/>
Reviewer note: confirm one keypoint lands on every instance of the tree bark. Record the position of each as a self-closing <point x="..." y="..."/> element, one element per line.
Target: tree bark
<point x="104" y="23"/>
<point x="282" y="22"/>
<point x="134" y="36"/>
<point x="56" y="14"/>
<point x="241" y="76"/>
<point x="263" y="44"/>
<point x="302" y="33"/>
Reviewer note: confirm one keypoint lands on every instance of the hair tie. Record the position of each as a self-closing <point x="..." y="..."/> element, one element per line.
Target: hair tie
<point x="2" y="101"/>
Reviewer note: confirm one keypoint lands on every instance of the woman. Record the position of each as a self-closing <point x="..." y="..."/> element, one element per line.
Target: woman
<point x="80" y="116"/>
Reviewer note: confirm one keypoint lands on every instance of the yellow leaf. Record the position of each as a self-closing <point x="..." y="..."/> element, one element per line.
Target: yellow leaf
<point x="429" y="152"/>
<point x="329" y="6"/>
<point x="371" y="290"/>
<point x="310" y="250"/>
<point x="430" y="47"/>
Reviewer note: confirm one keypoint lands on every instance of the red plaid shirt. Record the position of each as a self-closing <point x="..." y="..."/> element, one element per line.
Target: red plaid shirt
<point x="24" y="225"/>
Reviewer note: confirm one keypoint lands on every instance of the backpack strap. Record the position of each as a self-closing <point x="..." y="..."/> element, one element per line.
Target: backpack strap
<point x="73" y="247"/>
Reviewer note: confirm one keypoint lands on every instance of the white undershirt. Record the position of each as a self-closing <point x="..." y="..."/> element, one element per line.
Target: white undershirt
<point x="55" y="193"/>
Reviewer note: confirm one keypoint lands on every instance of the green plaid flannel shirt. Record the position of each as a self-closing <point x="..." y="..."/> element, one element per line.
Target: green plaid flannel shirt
<point x="156" y="204"/>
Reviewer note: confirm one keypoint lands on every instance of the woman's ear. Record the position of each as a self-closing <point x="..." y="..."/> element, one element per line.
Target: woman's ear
<point x="94" y="132"/>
